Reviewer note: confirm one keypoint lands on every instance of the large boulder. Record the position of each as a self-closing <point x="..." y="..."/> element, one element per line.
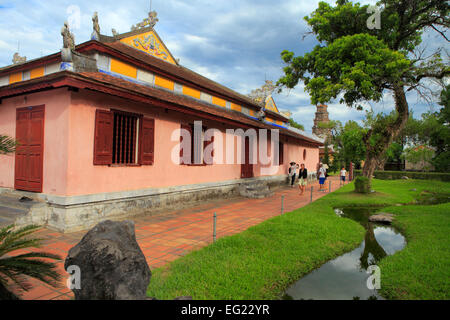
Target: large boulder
<point x="111" y="264"/>
<point x="385" y="218"/>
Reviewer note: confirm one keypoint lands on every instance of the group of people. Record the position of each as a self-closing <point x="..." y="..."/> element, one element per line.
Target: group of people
<point x="303" y="175"/>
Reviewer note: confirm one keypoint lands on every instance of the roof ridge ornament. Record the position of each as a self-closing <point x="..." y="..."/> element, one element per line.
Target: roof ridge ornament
<point x="68" y="37"/>
<point x="260" y="95"/>
<point x="68" y="43"/>
<point x="96" y="27"/>
<point x="18" y="59"/>
<point x="148" y="22"/>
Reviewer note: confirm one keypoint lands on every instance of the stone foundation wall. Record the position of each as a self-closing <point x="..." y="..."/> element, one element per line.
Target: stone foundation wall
<point x="72" y="214"/>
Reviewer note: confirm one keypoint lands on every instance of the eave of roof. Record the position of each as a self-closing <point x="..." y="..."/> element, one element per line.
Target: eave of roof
<point x="115" y="86"/>
<point x="176" y="73"/>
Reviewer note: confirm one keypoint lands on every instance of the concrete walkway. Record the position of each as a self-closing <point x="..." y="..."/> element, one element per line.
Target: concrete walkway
<point x="164" y="238"/>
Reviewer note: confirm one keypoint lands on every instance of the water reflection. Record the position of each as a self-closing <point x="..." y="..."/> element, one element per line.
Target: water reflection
<point x="345" y="277"/>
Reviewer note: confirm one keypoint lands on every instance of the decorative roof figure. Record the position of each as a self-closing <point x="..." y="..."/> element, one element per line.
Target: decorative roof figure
<point x="260" y="95"/>
<point x="68" y="37"/>
<point x="114" y="32"/>
<point x="96" y="33"/>
<point x="18" y="59"/>
<point x="148" y="22"/>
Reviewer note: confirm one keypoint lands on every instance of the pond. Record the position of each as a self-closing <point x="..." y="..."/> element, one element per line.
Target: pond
<point x="346" y="277"/>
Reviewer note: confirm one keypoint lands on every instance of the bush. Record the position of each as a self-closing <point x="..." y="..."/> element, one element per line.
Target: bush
<point x="362" y="185"/>
<point x="396" y="175"/>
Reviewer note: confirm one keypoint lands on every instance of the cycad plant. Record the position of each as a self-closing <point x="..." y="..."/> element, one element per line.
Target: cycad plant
<point x="7" y="144"/>
<point x="16" y="267"/>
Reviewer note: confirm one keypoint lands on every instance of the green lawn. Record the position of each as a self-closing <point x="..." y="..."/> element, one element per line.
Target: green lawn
<point x="263" y="261"/>
<point x="422" y="269"/>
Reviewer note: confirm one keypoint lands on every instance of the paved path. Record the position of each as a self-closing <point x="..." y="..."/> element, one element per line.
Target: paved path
<point x="166" y="238"/>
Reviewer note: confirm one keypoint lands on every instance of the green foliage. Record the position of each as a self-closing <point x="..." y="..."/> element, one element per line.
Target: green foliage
<point x="362" y="185"/>
<point x="394" y="152"/>
<point x="395" y="175"/>
<point x="294" y="124"/>
<point x="421" y="155"/>
<point x="357" y="64"/>
<point x="326" y="157"/>
<point x="32" y="264"/>
<point x="7" y="144"/>
<point x="348" y="143"/>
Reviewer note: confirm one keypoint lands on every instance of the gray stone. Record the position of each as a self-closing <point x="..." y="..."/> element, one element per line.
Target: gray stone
<point x="112" y="265"/>
<point x="405" y="178"/>
<point x="414" y="189"/>
<point x="382" y="218"/>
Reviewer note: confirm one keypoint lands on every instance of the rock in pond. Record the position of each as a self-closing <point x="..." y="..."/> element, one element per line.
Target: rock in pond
<point x="382" y="218"/>
<point x="111" y="264"/>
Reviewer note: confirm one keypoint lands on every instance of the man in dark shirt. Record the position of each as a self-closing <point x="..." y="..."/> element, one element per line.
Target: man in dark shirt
<point x="303" y="178"/>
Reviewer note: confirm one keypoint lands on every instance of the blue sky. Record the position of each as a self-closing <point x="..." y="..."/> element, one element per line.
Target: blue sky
<point x="234" y="42"/>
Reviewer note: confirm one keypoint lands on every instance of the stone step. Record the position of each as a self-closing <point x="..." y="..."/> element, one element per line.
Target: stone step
<point x="260" y="195"/>
<point x="258" y="188"/>
<point x="9" y="215"/>
<point x="255" y="190"/>
<point x="18" y="201"/>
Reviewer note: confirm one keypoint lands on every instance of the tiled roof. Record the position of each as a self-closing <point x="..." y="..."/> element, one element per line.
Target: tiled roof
<point x="182" y="100"/>
<point x="181" y="73"/>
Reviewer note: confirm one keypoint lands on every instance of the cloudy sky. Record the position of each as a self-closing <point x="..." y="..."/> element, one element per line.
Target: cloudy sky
<point x="234" y="42"/>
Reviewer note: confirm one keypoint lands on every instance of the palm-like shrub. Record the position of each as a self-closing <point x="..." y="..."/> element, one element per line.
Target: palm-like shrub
<point x="16" y="267"/>
<point x="7" y="144"/>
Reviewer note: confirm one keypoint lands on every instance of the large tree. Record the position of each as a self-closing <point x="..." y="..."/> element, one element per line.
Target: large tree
<point x="358" y="64"/>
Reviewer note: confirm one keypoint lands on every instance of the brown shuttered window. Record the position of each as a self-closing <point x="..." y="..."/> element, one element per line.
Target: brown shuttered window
<point x="197" y="147"/>
<point x="123" y="139"/>
<point x="147" y="141"/>
<point x="281" y="153"/>
<point x="103" y="149"/>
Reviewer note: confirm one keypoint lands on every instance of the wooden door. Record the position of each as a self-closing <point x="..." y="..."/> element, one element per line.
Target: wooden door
<point x="247" y="167"/>
<point x="30" y="152"/>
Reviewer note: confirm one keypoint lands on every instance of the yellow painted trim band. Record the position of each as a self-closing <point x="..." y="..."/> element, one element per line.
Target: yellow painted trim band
<point x="164" y="83"/>
<point x="191" y="92"/>
<point x="16" y="77"/>
<point x="37" y="73"/>
<point x="123" y="68"/>
<point x="219" y="102"/>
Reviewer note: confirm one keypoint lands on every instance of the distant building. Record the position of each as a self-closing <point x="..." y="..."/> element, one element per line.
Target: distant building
<point x="322" y="116"/>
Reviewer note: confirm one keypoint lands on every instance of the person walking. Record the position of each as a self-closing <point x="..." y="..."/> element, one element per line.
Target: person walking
<point x="293" y="173"/>
<point x="302" y="178"/>
<point x="343" y="174"/>
<point x="322" y="177"/>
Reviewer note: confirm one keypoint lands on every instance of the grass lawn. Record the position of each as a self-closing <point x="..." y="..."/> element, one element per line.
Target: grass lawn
<point x="261" y="262"/>
<point x="422" y="269"/>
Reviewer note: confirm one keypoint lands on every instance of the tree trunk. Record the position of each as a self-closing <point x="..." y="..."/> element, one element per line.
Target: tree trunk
<point x="375" y="153"/>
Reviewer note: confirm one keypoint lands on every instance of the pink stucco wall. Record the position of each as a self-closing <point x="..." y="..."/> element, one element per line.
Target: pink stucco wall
<point x="55" y="137"/>
<point x="69" y="145"/>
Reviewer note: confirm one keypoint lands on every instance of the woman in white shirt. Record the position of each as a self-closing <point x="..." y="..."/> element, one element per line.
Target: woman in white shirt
<point x="293" y="173"/>
<point x="343" y="174"/>
<point x="322" y="176"/>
